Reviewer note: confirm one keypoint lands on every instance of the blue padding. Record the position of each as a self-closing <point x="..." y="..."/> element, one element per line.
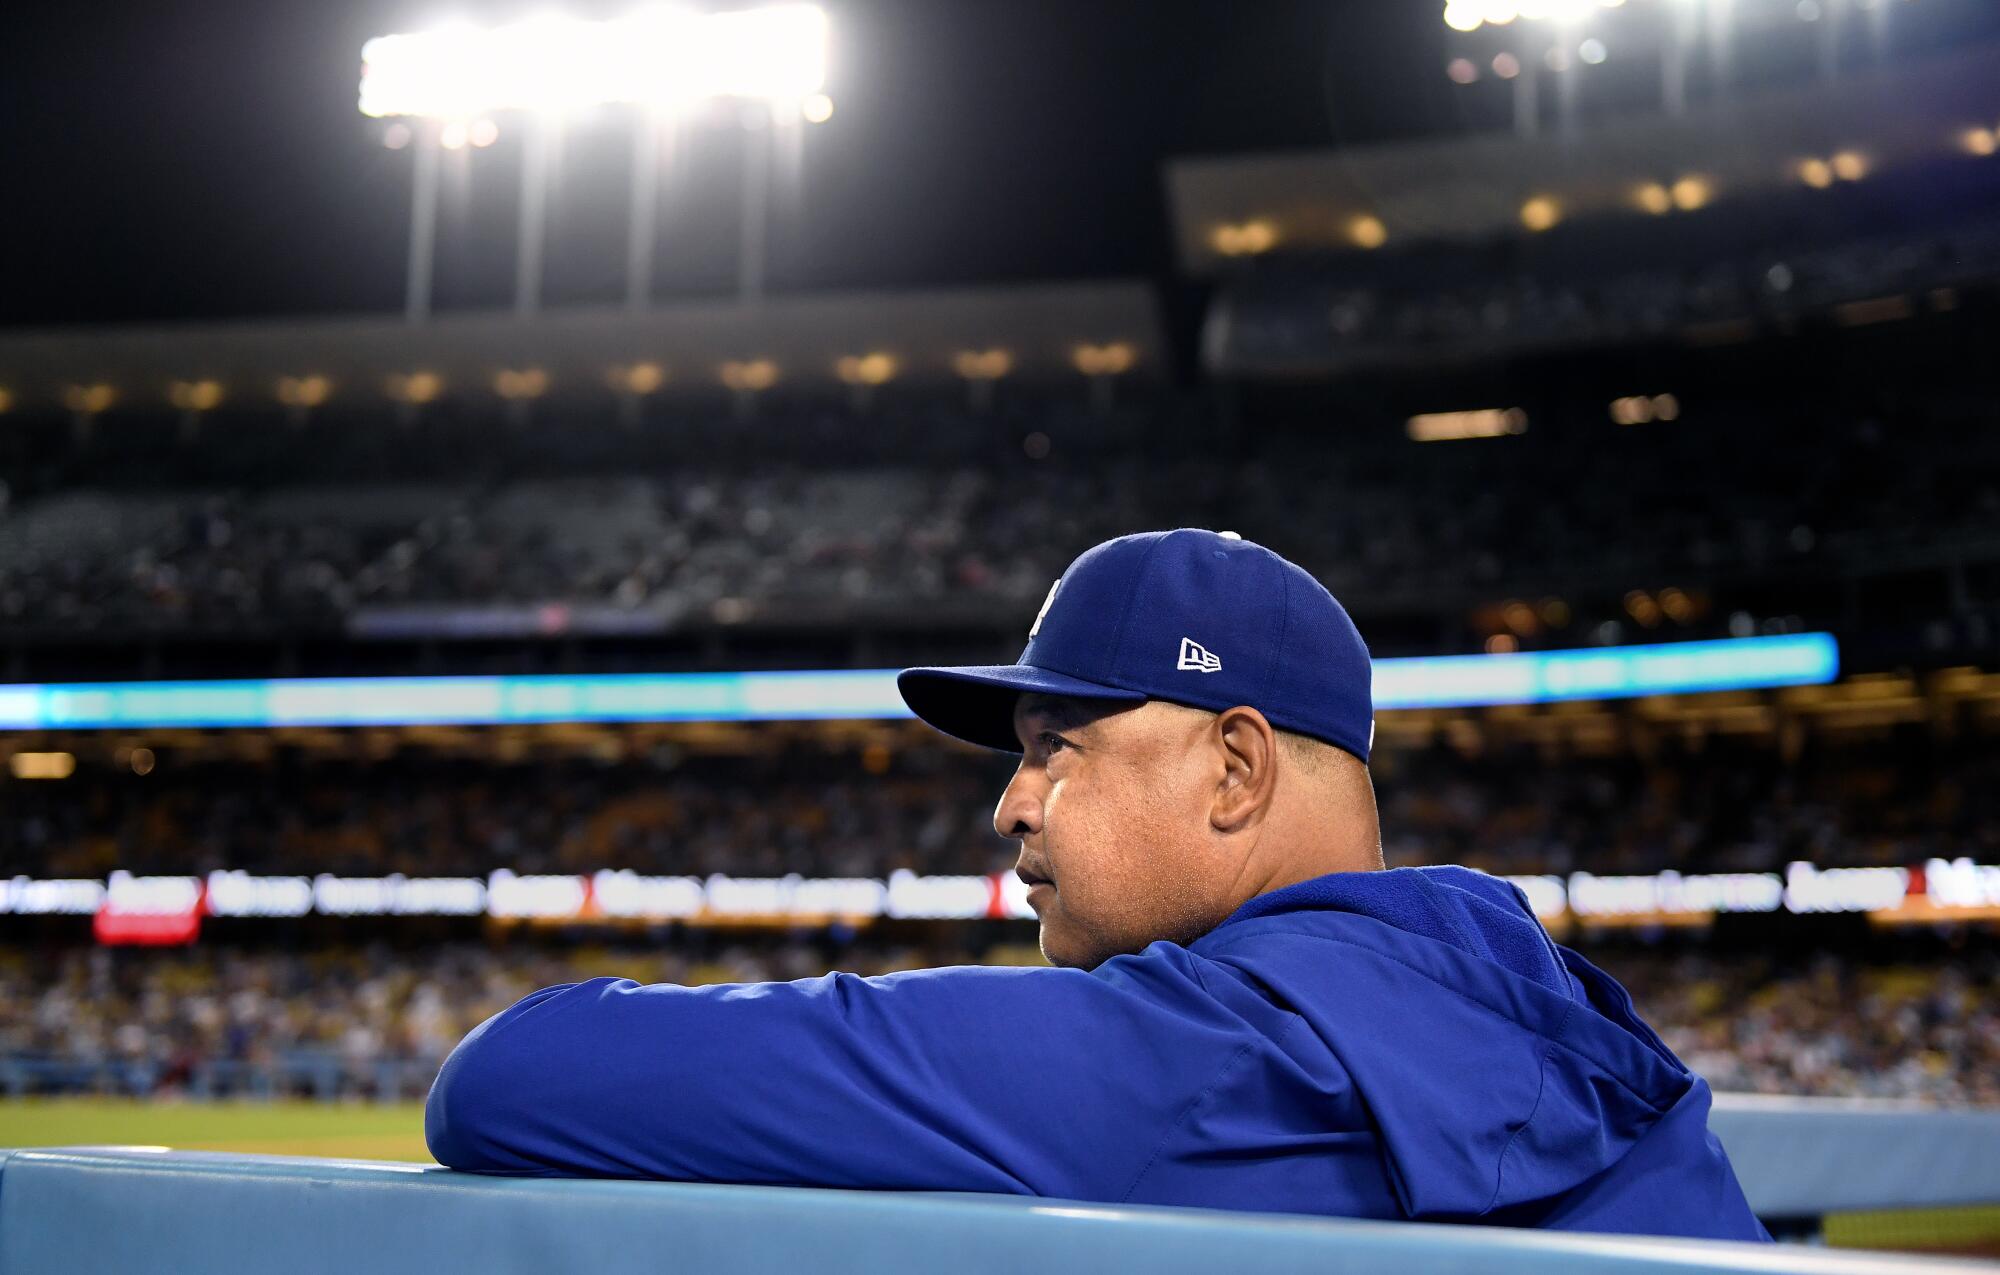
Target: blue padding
<point x="1801" y="1157"/>
<point x="95" y="1212"/>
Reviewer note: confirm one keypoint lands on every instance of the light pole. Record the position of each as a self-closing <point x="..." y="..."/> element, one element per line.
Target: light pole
<point x="537" y="150"/>
<point x="423" y="224"/>
<point x="657" y="60"/>
<point x="642" y="216"/>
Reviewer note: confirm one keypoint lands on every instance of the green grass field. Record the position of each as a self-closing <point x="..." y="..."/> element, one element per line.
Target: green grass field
<point x="359" y="1131"/>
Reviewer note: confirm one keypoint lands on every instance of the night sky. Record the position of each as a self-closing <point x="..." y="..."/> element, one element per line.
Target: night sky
<point x="184" y="161"/>
<point x="207" y="160"/>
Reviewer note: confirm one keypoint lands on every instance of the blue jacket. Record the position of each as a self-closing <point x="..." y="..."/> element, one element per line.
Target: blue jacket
<point x="1397" y="1044"/>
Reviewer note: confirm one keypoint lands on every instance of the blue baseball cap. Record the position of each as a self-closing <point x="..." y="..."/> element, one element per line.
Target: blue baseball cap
<point x="1201" y="618"/>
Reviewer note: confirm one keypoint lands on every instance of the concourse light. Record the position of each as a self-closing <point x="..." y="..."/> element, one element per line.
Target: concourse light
<point x="749" y="374"/>
<point x="639" y="378"/>
<point x="1816" y="173"/>
<point x="1692" y="192"/>
<point x="6" y="399"/>
<point x="1367" y="231"/>
<point x="1636" y="409"/>
<point x="42" y="765"/>
<point x="1490" y="422"/>
<point x="1593" y="51"/>
<point x="660" y="56"/>
<point x="1506" y="65"/>
<point x="1110" y="359"/>
<point x="875" y="368"/>
<point x="1640" y="605"/>
<point x="817" y="109"/>
<point x="1462" y="71"/>
<point x="1463" y="16"/>
<point x="89" y="400"/>
<point x="194" y="396"/>
<point x="1540" y="213"/>
<point x="482" y="133"/>
<point x="1654" y="198"/>
<point x="1850" y="166"/>
<point x="1979" y="141"/>
<point x="520" y="383"/>
<point x="416" y="388"/>
<point x="982" y="365"/>
<point x="304" y="391"/>
<point x="1244" y="240"/>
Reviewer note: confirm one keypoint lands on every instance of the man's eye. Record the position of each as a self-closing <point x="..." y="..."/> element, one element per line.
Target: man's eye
<point x="1052" y="742"/>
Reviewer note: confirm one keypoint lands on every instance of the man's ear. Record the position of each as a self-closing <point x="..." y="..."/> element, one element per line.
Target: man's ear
<point x="1249" y="751"/>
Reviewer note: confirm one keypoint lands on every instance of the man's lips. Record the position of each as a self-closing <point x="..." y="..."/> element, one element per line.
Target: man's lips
<point x="1031" y="878"/>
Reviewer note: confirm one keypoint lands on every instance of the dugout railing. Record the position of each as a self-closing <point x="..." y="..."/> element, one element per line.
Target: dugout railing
<point x="104" y="1210"/>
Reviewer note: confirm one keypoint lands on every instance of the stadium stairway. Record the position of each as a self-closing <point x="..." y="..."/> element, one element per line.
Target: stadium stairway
<point x="95" y="1211"/>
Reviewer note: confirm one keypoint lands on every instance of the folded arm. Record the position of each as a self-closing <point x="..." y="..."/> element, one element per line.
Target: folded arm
<point x="1056" y="1082"/>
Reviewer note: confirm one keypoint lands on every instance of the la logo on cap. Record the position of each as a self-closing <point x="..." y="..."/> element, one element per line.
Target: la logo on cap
<point x="1196" y="658"/>
<point x="1047" y="602"/>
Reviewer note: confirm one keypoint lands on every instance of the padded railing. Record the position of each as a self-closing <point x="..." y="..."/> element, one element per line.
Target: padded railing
<point x="1804" y="1157"/>
<point x="97" y="1211"/>
<point x="104" y="1211"/>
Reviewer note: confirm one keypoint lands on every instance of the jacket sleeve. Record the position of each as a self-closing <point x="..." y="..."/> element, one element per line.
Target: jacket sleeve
<point x="1056" y="1082"/>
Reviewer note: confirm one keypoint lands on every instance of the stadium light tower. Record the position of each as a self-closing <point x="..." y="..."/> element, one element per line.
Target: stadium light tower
<point x="661" y="61"/>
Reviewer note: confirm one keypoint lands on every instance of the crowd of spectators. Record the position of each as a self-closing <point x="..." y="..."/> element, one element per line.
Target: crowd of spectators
<point x="377" y="1022"/>
<point x="755" y="817"/>
<point x="1591" y="511"/>
<point x="1835" y="1027"/>
<point x="1727" y="805"/>
<point x="1330" y="316"/>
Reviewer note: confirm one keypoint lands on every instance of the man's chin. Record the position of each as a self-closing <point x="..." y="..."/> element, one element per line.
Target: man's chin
<point x="1054" y="950"/>
<point x="1062" y="947"/>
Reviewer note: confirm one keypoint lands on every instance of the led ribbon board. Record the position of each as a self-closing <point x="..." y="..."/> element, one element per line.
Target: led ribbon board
<point x="1431" y="682"/>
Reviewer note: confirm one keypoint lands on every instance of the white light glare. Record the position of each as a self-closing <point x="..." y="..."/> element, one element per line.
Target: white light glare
<point x="1470" y="15"/>
<point x="556" y="64"/>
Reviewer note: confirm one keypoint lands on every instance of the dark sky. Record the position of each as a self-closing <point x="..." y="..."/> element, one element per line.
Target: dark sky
<point x="205" y="159"/>
<point x="193" y="160"/>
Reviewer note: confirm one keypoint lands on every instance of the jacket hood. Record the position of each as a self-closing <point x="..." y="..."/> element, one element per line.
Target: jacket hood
<point x="1499" y="1068"/>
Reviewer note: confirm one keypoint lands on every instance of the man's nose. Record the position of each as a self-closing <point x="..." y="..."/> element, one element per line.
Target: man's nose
<point x="1019" y="813"/>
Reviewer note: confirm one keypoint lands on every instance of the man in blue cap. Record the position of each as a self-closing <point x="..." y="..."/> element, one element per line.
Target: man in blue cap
<point x="1245" y="1009"/>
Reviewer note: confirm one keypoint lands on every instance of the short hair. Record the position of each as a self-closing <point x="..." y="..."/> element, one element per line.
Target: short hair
<point x="1314" y="756"/>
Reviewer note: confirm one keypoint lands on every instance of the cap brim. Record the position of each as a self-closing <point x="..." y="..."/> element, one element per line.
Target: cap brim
<point x="975" y="703"/>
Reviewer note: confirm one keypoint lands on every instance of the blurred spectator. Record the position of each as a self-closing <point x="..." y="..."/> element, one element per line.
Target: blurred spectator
<point x="1726" y="805"/>
<point x="377" y="1023"/>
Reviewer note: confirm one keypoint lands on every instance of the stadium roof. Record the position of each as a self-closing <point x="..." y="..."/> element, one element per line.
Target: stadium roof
<point x="1479" y="187"/>
<point x="1053" y="329"/>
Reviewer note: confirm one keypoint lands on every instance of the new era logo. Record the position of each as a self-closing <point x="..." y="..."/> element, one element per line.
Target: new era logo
<point x="1196" y="658"/>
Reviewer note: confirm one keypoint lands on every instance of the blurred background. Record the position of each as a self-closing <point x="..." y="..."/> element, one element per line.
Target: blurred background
<point x="460" y="544"/>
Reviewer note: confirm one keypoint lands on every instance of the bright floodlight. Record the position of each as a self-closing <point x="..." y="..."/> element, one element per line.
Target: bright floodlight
<point x="659" y="55"/>
<point x="1470" y="15"/>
